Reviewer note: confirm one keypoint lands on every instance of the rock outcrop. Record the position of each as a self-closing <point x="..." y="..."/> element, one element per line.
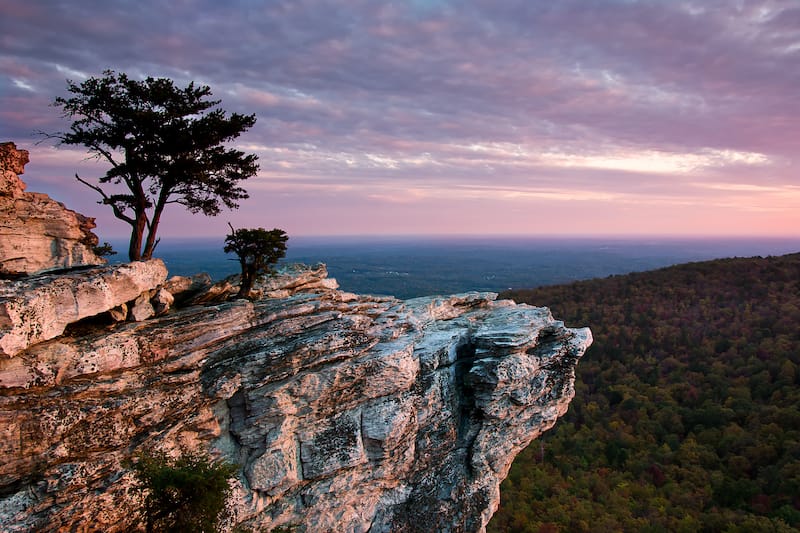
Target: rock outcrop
<point x="344" y="412"/>
<point x="286" y="281"/>
<point x="38" y="308"/>
<point x="37" y="233"/>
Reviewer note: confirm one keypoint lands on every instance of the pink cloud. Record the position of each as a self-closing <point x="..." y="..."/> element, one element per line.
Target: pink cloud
<point x="360" y="102"/>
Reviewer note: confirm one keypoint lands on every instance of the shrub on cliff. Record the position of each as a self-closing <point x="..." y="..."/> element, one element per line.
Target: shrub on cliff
<point x="258" y="249"/>
<point x="165" y="146"/>
<point x="187" y="493"/>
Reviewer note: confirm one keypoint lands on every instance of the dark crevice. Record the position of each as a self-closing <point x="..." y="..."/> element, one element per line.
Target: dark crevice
<point x="59" y="271"/>
<point x="237" y="406"/>
<point x="23" y="483"/>
<point x="89" y="325"/>
<point x="467" y="427"/>
<point x="237" y="420"/>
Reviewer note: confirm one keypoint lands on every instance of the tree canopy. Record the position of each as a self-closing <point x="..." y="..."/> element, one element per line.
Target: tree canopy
<point x="686" y="414"/>
<point x="165" y="146"/>
<point x="257" y="249"/>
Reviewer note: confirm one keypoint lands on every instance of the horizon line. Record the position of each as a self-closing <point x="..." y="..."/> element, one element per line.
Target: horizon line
<point x="457" y="236"/>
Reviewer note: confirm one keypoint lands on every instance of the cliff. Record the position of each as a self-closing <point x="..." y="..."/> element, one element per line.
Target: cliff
<point x="344" y="412"/>
<point x="37" y="233"/>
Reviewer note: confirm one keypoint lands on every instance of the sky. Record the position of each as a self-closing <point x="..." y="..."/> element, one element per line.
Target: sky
<point x="472" y="117"/>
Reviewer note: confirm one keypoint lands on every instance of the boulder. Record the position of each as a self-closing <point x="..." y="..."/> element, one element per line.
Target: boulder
<point x="162" y="301"/>
<point x="119" y="313"/>
<point x="285" y="281"/>
<point x="184" y="288"/>
<point x="38" y="308"/>
<point x="141" y="309"/>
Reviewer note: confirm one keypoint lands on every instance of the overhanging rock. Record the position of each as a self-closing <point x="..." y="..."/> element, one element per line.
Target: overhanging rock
<point x="38" y="308"/>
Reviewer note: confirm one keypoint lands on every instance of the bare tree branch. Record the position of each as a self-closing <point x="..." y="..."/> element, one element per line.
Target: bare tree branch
<point x="119" y="213"/>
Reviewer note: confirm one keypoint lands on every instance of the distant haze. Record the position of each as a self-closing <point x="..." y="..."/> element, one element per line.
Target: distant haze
<point x="409" y="267"/>
<point x="526" y="117"/>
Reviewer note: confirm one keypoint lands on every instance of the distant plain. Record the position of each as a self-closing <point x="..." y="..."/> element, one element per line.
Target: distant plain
<point x="407" y="267"/>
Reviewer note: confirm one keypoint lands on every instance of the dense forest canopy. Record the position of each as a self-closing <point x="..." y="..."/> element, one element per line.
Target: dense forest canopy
<point x="687" y="408"/>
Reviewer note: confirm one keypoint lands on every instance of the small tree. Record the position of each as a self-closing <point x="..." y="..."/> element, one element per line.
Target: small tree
<point x="258" y="249"/>
<point x="104" y="249"/>
<point x="183" y="494"/>
<point x="164" y="147"/>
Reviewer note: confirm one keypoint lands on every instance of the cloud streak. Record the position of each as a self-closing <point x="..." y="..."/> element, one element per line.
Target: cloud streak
<point x="365" y="106"/>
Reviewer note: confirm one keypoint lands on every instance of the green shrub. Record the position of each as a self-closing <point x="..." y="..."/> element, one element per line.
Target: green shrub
<point x="187" y="493"/>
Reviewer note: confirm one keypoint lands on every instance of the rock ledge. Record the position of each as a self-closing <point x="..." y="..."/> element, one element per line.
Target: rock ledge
<point x="38" y="308"/>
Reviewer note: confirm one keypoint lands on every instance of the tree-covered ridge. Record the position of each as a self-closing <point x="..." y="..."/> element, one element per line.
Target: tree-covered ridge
<point x="687" y="408"/>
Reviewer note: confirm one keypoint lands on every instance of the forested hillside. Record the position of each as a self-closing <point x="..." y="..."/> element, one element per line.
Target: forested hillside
<point x="687" y="408"/>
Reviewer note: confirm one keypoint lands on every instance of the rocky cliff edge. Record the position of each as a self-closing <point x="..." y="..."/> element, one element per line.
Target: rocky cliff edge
<point x="345" y="412"/>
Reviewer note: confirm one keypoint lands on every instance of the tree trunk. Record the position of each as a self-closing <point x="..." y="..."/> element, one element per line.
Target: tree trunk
<point x="150" y="245"/>
<point x="140" y="221"/>
<point x="135" y="246"/>
<point x="246" y="280"/>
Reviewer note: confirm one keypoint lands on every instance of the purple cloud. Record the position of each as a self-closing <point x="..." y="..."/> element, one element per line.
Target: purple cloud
<point x="359" y="102"/>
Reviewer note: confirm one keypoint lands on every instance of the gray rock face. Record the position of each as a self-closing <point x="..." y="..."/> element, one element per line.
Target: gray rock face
<point x="183" y="288"/>
<point x="37" y="233"/>
<point x="344" y="412"/>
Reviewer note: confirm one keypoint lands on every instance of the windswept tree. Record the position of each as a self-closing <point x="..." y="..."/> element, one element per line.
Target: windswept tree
<point x="258" y="249"/>
<point x="165" y="146"/>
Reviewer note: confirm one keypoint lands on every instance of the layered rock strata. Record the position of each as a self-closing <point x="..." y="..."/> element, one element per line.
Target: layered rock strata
<point x="38" y="308"/>
<point x="37" y="233"/>
<point x="344" y="412"/>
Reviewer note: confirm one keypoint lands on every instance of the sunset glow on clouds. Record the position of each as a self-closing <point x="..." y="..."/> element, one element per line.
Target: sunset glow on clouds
<point x="441" y="117"/>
